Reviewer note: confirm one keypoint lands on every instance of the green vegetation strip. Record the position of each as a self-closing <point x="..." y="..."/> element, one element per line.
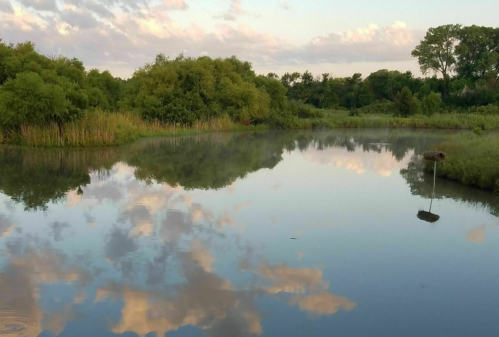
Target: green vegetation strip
<point x="471" y="159"/>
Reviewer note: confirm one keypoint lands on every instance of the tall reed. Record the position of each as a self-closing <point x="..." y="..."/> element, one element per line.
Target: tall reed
<point x="105" y="129"/>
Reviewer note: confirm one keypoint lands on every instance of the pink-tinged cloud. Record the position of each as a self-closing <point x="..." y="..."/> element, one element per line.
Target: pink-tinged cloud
<point x="122" y="35"/>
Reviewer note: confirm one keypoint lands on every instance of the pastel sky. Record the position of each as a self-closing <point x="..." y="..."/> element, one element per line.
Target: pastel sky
<point x="337" y="37"/>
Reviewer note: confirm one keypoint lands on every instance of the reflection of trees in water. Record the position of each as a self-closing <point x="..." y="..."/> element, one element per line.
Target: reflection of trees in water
<point x="421" y="183"/>
<point x="36" y="177"/>
<point x="209" y="161"/>
<point x="396" y="142"/>
<point x="206" y="163"/>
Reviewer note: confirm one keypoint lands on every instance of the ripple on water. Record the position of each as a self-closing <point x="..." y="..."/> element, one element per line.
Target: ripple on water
<point x="15" y="324"/>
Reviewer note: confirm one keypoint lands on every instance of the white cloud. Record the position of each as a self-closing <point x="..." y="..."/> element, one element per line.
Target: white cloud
<point x="236" y="9"/>
<point x="6" y="7"/>
<point x="122" y="35"/>
<point x="42" y="5"/>
<point x="285" y="5"/>
<point x="392" y="43"/>
<point x="175" y="4"/>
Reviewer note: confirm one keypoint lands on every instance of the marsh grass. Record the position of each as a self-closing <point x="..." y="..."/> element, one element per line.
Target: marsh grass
<point x="471" y="159"/>
<point x="340" y="119"/>
<point x="97" y="128"/>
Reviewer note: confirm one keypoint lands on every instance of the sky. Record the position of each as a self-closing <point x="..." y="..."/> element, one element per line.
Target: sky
<point x="323" y="36"/>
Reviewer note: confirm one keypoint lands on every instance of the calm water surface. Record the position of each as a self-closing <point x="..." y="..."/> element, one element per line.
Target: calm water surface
<point x="279" y="234"/>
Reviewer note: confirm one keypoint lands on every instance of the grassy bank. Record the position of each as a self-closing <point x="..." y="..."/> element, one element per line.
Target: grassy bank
<point x="108" y="129"/>
<point x="341" y="119"/>
<point x="471" y="159"/>
<point x="98" y="128"/>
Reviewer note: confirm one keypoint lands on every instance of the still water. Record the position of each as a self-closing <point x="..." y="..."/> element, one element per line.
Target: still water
<point x="244" y="234"/>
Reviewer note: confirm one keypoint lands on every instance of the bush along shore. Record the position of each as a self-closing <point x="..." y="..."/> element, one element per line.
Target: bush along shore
<point x="472" y="159"/>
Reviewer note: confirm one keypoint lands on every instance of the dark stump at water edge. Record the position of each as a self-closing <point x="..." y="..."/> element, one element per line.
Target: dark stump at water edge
<point x="434" y="155"/>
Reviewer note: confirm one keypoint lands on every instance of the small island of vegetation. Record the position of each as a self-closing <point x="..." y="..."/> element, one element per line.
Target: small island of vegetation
<point x="54" y="101"/>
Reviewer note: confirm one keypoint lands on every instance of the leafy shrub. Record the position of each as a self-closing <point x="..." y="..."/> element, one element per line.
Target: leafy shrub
<point x="431" y="103"/>
<point x="407" y="104"/>
<point x="279" y="119"/>
<point x="320" y="124"/>
<point x="186" y="89"/>
<point x="382" y="107"/>
<point x="28" y="99"/>
<point x="488" y="110"/>
<point x="354" y="113"/>
<point x="302" y="110"/>
<point x="478" y="131"/>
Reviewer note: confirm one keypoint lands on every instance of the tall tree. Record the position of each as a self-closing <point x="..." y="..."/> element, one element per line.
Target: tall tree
<point x="477" y="53"/>
<point x="436" y="52"/>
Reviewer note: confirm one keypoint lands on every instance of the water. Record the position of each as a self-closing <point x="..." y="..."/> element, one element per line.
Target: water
<point x="280" y="234"/>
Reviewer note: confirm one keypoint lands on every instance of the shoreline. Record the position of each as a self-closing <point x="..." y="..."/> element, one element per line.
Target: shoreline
<point x="471" y="155"/>
<point x="102" y="130"/>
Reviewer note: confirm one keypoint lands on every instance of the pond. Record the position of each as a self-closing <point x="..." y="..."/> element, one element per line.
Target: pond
<point x="244" y="234"/>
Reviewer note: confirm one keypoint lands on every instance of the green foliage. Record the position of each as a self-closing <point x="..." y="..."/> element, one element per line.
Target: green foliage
<point x="184" y="90"/>
<point x="471" y="159"/>
<point x="478" y="131"/>
<point x="385" y="84"/>
<point x="435" y="53"/>
<point x="431" y="104"/>
<point x="104" y="90"/>
<point x="327" y="92"/>
<point x="274" y="89"/>
<point x="382" y="107"/>
<point x="354" y="113"/>
<point x="302" y="110"/>
<point x="28" y="99"/>
<point x="207" y="164"/>
<point x="282" y="120"/>
<point x="40" y="92"/>
<point x="34" y="186"/>
<point x="37" y="90"/>
<point x="407" y="104"/>
<point x="478" y="52"/>
<point x="488" y="110"/>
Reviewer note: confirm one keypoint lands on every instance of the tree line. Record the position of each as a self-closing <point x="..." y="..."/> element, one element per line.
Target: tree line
<point x="463" y="62"/>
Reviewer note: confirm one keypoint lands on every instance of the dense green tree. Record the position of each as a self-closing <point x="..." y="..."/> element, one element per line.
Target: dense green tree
<point x="288" y="80"/>
<point x="104" y="90"/>
<point x="20" y="58"/>
<point x="385" y="84"/>
<point x="37" y="89"/>
<point x="275" y="89"/>
<point x="436" y="52"/>
<point x="431" y="103"/>
<point x="28" y="99"/>
<point x="185" y="90"/>
<point x="477" y="53"/>
<point x="407" y="104"/>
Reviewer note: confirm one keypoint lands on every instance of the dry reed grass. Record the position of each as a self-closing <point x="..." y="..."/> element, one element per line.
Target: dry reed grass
<point x="106" y="129"/>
